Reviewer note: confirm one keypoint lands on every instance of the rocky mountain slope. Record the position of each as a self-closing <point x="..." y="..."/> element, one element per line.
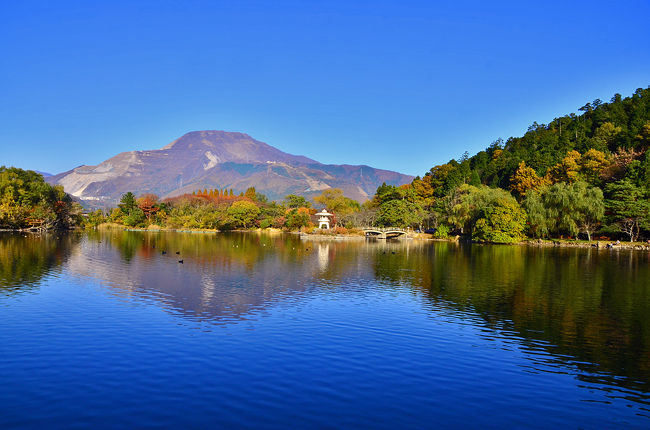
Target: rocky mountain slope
<point x="218" y="159"/>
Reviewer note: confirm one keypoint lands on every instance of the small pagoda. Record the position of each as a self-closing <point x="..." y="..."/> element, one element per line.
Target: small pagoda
<point x="324" y="219"/>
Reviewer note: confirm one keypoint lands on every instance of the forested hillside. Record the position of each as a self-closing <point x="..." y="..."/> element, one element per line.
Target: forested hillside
<point x="619" y="129"/>
<point x="581" y="173"/>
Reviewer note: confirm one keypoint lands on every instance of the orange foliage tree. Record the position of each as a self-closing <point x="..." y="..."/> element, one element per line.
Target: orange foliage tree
<point x="148" y="203"/>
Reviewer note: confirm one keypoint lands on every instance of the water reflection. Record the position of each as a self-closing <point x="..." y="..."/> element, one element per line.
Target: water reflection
<point x="588" y="308"/>
<point x="221" y="277"/>
<point x="26" y="258"/>
<point x="583" y="308"/>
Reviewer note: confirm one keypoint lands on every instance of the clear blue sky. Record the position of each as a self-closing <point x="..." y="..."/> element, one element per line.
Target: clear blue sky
<point x="401" y="85"/>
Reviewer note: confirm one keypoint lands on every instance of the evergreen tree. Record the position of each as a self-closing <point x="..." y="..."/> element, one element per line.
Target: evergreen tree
<point x="629" y="207"/>
<point x="127" y="203"/>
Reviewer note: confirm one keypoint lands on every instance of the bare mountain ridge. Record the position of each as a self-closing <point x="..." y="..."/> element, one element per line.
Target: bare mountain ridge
<point x="218" y="159"/>
<point x="233" y="146"/>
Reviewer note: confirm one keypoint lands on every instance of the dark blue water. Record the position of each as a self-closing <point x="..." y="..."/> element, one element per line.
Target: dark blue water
<point x="104" y="331"/>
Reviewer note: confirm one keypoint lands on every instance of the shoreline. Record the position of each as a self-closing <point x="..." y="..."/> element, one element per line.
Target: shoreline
<point x="309" y="236"/>
<point x="596" y="244"/>
<point x="546" y="243"/>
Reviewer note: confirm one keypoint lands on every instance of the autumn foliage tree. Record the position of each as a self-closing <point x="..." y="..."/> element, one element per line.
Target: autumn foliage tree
<point x="568" y="170"/>
<point x="297" y="217"/>
<point x="250" y="193"/>
<point x="148" y="204"/>
<point x="525" y="179"/>
<point x="592" y="164"/>
<point x="334" y="200"/>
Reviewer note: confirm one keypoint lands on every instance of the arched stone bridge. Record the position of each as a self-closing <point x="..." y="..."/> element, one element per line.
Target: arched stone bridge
<point x="384" y="233"/>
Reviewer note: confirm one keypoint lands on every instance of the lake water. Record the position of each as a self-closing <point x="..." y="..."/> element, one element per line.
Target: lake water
<point x="102" y="330"/>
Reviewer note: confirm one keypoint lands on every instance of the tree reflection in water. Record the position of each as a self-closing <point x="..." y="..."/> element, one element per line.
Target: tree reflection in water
<point x="588" y="308"/>
<point x="26" y="258"/>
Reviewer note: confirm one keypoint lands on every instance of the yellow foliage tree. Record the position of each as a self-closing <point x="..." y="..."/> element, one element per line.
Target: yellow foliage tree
<point x="424" y="190"/>
<point x="334" y="200"/>
<point x="526" y="179"/>
<point x="592" y="163"/>
<point x="568" y="170"/>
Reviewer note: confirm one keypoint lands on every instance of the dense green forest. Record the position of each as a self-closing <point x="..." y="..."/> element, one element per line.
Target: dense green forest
<point x="27" y="201"/>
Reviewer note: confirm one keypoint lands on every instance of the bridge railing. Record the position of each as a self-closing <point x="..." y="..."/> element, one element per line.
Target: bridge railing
<point x="384" y="229"/>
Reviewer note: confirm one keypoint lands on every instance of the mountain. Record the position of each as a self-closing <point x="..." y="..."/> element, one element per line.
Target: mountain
<point x="218" y="159"/>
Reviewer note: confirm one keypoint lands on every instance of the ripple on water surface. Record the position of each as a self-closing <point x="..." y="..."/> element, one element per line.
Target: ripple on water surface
<point x="271" y="332"/>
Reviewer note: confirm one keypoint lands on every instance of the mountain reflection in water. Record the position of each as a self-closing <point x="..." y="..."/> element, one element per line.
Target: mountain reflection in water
<point x="222" y="277"/>
<point x="590" y="307"/>
<point x="581" y="311"/>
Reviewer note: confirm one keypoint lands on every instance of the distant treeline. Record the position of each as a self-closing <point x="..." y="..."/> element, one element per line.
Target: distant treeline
<point x="214" y="192"/>
<point x="222" y="210"/>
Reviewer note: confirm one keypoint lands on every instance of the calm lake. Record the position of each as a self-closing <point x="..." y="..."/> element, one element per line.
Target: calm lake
<point x="256" y="331"/>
